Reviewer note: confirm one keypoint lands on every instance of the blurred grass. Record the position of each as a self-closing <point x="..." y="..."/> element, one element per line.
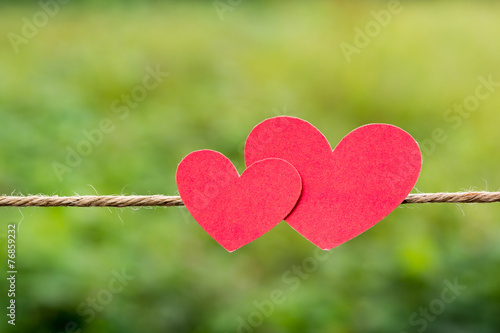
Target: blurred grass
<point x="225" y="77"/>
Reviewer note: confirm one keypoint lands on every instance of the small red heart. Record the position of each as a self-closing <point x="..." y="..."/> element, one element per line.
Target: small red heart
<point x="344" y="192"/>
<point x="233" y="209"/>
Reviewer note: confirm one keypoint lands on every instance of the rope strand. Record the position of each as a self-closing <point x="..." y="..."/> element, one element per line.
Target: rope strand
<point x="458" y="197"/>
<point x="170" y="201"/>
<point x="91" y="201"/>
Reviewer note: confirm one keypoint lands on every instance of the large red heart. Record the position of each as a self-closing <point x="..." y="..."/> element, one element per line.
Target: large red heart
<point x="344" y="192"/>
<point x="236" y="210"/>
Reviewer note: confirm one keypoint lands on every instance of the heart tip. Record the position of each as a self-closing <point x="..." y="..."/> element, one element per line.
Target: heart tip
<point x="230" y="250"/>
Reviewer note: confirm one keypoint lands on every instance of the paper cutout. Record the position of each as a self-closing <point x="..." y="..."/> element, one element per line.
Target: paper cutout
<point x="347" y="191"/>
<point x="235" y="209"/>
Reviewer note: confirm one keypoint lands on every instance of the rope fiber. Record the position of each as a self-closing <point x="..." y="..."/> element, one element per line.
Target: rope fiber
<point x="170" y="201"/>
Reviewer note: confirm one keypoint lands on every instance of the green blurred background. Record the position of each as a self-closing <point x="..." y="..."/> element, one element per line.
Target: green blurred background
<point x="228" y="71"/>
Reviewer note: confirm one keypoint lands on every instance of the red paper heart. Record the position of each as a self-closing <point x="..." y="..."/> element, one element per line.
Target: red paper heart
<point x="344" y="192"/>
<point x="235" y="209"/>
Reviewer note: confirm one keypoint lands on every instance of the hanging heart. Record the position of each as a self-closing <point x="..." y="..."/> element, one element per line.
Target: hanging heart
<point x="345" y="191"/>
<point x="233" y="209"/>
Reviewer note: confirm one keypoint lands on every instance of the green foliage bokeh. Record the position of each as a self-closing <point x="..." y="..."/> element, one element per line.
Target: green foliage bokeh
<point x="225" y="76"/>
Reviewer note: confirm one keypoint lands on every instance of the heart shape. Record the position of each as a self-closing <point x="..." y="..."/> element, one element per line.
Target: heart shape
<point x="344" y="192"/>
<point x="233" y="209"/>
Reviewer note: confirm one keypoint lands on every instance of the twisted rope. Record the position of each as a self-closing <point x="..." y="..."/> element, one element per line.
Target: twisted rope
<point x="91" y="201"/>
<point x="170" y="201"/>
<point x="458" y="197"/>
